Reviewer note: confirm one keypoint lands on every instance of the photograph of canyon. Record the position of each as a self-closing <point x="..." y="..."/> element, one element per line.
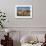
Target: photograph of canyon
<point x="23" y="11"/>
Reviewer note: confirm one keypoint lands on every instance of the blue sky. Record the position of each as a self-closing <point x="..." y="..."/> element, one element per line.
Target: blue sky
<point x="23" y="8"/>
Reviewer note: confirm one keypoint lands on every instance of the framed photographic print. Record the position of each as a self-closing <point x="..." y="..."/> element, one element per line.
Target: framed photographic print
<point x="23" y="11"/>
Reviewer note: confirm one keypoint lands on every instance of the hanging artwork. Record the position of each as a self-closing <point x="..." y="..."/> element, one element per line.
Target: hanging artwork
<point x="23" y="11"/>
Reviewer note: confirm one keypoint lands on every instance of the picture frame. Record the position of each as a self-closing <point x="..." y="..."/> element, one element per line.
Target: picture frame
<point x="23" y="11"/>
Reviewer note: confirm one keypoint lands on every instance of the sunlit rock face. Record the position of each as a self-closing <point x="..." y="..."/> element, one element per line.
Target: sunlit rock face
<point x="23" y="13"/>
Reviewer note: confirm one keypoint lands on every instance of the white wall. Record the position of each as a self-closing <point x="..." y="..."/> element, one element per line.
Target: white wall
<point x="39" y="13"/>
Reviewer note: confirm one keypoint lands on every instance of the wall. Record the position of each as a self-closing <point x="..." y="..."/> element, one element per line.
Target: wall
<point x="39" y="13"/>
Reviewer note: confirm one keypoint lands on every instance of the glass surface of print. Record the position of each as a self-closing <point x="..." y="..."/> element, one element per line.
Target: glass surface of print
<point x="23" y="11"/>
